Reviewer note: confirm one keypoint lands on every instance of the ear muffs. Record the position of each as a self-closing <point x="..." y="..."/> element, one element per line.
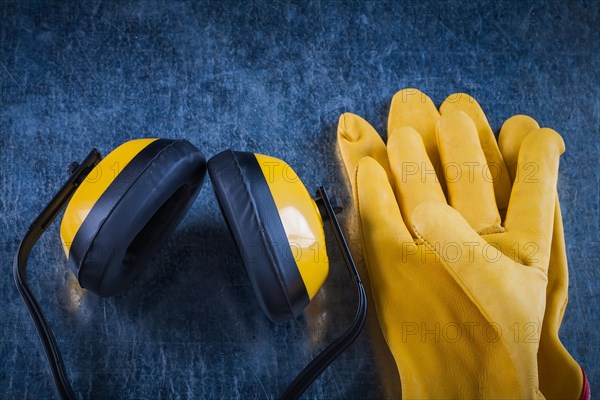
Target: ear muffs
<point x="126" y="207"/>
<point x="123" y="207"/>
<point x="277" y="227"/>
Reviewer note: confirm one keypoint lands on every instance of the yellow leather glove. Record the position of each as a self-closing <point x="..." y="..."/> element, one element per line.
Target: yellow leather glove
<point x="559" y="374"/>
<point x="439" y="297"/>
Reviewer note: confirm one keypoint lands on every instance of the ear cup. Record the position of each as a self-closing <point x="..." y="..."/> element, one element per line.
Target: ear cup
<point x="276" y="226"/>
<point x="126" y="208"/>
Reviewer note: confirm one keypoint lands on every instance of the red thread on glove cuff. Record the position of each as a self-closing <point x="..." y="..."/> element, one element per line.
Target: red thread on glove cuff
<point x="585" y="391"/>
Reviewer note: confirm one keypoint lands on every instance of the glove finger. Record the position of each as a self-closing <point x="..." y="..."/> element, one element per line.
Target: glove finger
<point x="568" y="381"/>
<point x="414" y="178"/>
<point x="511" y="136"/>
<point x="469" y="183"/>
<point x="558" y="275"/>
<point x="512" y="133"/>
<point x="530" y="215"/>
<point x="379" y="216"/>
<point x="467" y="104"/>
<point x="358" y="139"/>
<point x="413" y="108"/>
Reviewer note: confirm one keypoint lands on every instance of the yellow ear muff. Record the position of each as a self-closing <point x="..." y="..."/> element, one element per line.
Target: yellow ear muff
<point x="277" y="227"/>
<point x="116" y="220"/>
<point x="301" y="221"/>
<point x="125" y="209"/>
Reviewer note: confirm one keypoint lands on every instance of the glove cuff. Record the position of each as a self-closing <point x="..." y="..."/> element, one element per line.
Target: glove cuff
<point x="585" y="391"/>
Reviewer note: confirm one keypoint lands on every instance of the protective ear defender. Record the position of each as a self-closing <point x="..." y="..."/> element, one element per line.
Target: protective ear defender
<point x="126" y="208"/>
<point x="123" y="207"/>
<point x="277" y="227"/>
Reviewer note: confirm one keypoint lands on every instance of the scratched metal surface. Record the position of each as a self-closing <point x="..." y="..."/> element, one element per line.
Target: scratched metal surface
<point x="271" y="78"/>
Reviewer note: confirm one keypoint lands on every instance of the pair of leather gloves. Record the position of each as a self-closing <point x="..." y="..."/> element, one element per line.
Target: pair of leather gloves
<point x="465" y="250"/>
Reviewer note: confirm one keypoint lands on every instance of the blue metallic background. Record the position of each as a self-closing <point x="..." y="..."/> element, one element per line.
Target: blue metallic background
<point x="271" y="78"/>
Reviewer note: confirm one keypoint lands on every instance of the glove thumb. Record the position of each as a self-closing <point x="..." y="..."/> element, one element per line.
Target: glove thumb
<point x="509" y="295"/>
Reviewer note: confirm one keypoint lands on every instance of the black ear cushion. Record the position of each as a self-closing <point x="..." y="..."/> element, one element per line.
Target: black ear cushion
<point x="253" y="220"/>
<point x="135" y="215"/>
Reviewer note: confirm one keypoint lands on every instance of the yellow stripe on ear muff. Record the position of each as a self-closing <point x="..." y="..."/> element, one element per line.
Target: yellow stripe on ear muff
<point x="90" y="190"/>
<point x="301" y="221"/>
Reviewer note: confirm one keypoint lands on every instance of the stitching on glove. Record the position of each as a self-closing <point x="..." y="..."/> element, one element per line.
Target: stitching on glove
<point x="491" y="229"/>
